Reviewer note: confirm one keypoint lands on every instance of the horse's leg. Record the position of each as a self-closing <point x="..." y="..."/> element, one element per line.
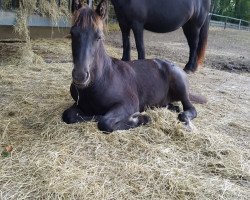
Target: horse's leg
<point x="179" y="92"/>
<point x="192" y="34"/>
<point x="173" y="107"/>
<point x="121" y="118"/>
<point x="74" y="115"/>
<point x="189" y="112"/>
<point x="203" y="41"/>
<point x="138" y="33"/>
<point x="126" y="43"/>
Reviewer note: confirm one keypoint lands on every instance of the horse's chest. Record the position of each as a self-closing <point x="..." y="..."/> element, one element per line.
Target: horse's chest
<point x="89" y="101"/>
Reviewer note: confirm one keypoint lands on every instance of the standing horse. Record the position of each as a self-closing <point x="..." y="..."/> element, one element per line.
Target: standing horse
<point x="112" y="91"/>
<point x="163" y="16"/>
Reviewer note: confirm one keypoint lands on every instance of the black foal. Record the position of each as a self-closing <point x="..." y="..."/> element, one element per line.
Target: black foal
<point x="112" y="91"/>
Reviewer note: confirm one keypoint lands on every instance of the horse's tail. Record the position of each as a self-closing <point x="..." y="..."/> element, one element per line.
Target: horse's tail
<point x="197" y="98"/>
<point x="203" y="40"/>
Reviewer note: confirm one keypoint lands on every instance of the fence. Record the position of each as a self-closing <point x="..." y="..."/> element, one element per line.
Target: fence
<point x="229" y="22"/>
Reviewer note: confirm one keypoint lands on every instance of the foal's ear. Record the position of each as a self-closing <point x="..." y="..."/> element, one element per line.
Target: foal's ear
<point x="102" y="9"/>
<point x="76" y="5"/>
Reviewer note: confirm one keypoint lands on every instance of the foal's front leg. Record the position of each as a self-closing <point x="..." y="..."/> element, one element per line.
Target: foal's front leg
<point x="121" y="118"/>
<point x="75" y="115"/>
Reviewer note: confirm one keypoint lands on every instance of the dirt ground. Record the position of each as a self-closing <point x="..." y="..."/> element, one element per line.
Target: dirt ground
<point x="227" y="49"/>
<point x="48" y="159"/>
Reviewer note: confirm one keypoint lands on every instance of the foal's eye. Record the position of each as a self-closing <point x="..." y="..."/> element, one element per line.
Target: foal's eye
<point x="98" y="37"/>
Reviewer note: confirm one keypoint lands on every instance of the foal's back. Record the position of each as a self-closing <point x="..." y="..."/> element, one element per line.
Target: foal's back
<point x="154" y="79"/>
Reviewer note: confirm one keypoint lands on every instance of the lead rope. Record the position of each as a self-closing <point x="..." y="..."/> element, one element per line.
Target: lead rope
<point x="77" y="102"/>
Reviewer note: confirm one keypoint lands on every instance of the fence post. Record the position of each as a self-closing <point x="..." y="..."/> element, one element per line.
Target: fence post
<point x="90" y="2"/>
<point x="240" y="24"/>
<point x="69" y="4"/>
<point x="225" y="24"/>
<point x="58" y="3"/>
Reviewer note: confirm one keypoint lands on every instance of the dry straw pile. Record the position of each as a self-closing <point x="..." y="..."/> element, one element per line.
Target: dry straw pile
<point x="43" y="8"/>
<point x="47" y="159"/>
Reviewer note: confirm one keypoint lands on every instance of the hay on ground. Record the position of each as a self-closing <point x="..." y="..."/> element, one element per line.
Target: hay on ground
<point x="53" y="160"/>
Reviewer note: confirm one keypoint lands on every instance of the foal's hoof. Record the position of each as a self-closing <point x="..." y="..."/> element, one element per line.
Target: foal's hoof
<point x="183" y="118"/>
<point x="139" y="119"/>
<point x="69" y="118"/>
<point x="104" y="126"/>
<point x="144" y="119"/>
<point x="173" y="108"/>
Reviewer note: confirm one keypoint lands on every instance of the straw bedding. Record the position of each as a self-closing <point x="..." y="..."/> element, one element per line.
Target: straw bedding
<point x="52" y="160"/>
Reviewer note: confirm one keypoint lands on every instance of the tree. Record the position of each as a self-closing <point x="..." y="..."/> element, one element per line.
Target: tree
<point x="234" y="8"/>
<point x="90" y="3"/>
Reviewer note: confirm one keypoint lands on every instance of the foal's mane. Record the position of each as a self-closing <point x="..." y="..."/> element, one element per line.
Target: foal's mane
<point x="86" y="17"/>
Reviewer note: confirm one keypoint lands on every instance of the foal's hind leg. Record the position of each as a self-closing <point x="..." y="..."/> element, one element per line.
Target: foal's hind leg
<point x="191" y="32"/>
<point x="189" y="112"/>
<point x="179" y="92"/>
<point x="74" y="115"/>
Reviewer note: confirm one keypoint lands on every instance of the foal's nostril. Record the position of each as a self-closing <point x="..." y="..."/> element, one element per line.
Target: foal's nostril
<point x="80" y="78"/>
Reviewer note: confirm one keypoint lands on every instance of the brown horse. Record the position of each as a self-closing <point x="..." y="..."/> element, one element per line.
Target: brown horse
<point x="112" y="91"/>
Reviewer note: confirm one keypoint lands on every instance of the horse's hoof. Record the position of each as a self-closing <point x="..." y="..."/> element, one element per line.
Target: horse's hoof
<point x="183" y="118"/>
<point x="140" y="119"/>
<point x="189" y="69"/>
<point x="173" y="108"/>
<point x="66" y="117"/>
<point x="126" y="59"/>
<point x="104" y="127"/>
<point x="144" y="119"/>
<point x="71" y="116"/>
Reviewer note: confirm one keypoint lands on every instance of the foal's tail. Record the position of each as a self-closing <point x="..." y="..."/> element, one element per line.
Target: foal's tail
<point x="197" y="98"/>
<point x="203" y="40"/>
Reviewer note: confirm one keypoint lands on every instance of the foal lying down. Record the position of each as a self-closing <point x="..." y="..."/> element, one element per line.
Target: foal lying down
<point x="114" y="92"/>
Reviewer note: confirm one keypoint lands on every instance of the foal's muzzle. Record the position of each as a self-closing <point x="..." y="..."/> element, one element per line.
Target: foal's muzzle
<point x="81" y="79"/>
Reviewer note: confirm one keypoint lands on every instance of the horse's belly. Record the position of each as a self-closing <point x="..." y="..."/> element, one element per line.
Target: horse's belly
<point x="164" y="24"/>
<point x="168" y="17"/>
<point x="160" y="28"/>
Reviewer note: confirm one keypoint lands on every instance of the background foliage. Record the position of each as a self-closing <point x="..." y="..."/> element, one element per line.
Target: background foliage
<point x="233" y="8"/>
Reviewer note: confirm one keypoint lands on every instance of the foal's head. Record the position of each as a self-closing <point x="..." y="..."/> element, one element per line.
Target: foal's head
<point x="86" y="34"/>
